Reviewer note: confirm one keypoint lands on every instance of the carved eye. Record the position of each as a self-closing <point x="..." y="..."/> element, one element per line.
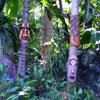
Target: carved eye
<point x="26" y="31"/>
<point x="6" y="66"/>
<point x="23" y="31"/>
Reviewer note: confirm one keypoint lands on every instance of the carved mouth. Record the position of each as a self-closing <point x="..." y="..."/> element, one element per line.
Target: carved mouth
<point x="72" y="79"/>
<point x="25" y="41"/>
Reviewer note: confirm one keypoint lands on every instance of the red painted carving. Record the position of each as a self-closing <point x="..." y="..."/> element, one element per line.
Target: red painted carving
<point x="24" y="33"/>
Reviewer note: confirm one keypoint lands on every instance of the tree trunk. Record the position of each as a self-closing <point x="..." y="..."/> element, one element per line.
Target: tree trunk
<point x="2" y="4"/>
<point x="26" y="11"/>
<point x="1" y="47"/>
<point x="74" y="43"/>
<point x="46" y="38"/>
<point x="60" y="4"/>
<point x="24" y="37"/>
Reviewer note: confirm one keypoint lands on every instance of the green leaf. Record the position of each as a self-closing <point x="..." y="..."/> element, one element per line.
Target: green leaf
<point x="95" y="66"/>
<point x="13" y="97"/>
<point x="14" y="89"/>
<point x="41" y="72"/>
<point x="49" y="81"/>
<point x="62" y="84"/>
<point x="85" y="38"/>
<point x="98" y="85"/>
<point x="2" y="18"/>
<point x="56" y="11"/>
<point x="12" y="7"/>
<point x="45" y="3"/>
<point x="61" y="65"/>
<point x="1" y="66"/>
<point x="36" y="73"/>
<point x="43" y="79"/>
<point x="75" y="92"/>
<point x="80" y="91"/>
<point x="87" y="94"/>
<point x="47" y="44"/>
<point x="35" y="47"/>
<point x="29" y="82"/>
<point x="47" y="85"/>
<point x="28" y="95"/>
<point x="88" y="14"/>
<point x="87" y="58"/>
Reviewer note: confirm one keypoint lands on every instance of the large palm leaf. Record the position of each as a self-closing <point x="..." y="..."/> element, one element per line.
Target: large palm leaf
<point x="8" y="35"/>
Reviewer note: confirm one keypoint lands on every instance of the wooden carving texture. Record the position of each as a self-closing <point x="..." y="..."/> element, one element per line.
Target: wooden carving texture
<point x="22" y="59"/>
<point x="75" y="30"/>
<point x="24" y="37"/>
<point x="72" y="69"/>
<point x="24" y="33"/>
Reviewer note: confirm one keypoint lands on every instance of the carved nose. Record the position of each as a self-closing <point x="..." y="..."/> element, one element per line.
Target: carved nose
<point x="72" y="71"/>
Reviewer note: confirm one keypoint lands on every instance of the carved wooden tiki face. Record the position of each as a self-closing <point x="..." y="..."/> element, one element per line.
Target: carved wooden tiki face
<point x="24" y="33"/>
<point x="72" y="69"/>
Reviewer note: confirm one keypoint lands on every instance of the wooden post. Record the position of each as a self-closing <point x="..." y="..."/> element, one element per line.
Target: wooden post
<point x="24" y="36"/>
<point x="74" y="43"/>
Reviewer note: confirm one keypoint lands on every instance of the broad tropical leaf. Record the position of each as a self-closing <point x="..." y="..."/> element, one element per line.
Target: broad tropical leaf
<point x="12" y="8"/>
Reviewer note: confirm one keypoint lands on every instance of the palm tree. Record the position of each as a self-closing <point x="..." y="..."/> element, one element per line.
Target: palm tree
<point x="24" y="37"/>
<point x="46" y="38"/>
<point x="74" y="42"/>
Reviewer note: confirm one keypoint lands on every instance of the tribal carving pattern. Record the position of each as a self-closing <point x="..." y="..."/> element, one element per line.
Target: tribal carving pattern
<point x="75" y="30"/>
<point x="72" y="69"/>
<point x="10" y="66"/>
<point x="22" y="58"/>
<point x="24" y="37"/>
<point x="24" y="33"/>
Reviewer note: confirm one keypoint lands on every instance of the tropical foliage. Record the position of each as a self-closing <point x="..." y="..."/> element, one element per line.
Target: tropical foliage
<point x="51" y="85"/>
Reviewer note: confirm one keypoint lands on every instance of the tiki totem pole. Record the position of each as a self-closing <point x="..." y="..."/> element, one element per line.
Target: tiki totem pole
<point x="74" y="42"/>
<point x="24" y="36"/>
